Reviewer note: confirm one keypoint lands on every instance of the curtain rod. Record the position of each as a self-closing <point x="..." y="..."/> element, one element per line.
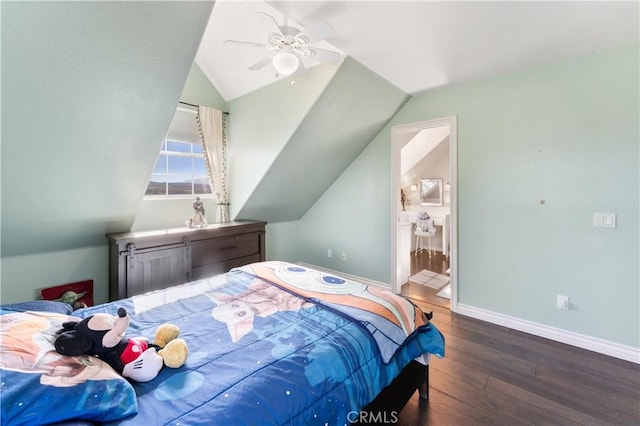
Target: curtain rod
<point x="196" y="106"/>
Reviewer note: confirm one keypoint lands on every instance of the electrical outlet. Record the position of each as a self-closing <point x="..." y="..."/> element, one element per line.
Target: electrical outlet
<point x="344" y="256"/>
<point x="604" y="220"/>
<point x="329" y="253"/>
<point x="562" y="302"/>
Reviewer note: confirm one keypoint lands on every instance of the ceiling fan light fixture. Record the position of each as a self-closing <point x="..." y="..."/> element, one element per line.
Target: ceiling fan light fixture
<point x="286" y="63"/>
<point x="302" y="40"/>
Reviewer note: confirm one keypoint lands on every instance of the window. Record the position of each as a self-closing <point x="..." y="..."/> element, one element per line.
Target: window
<point x="180" y="169"/>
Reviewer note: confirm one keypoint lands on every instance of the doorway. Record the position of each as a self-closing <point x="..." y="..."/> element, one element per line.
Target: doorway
<point x="407" y="136"/>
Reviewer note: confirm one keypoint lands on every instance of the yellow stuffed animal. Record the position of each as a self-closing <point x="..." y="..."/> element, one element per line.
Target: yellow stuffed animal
<point x="174" y="351"/>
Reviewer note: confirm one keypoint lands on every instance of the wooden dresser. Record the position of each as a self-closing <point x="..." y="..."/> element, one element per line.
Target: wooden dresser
<point x="144" y="261"/>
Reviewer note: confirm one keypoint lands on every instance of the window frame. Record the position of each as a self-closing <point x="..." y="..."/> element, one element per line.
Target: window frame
<point x="177" y="154"/>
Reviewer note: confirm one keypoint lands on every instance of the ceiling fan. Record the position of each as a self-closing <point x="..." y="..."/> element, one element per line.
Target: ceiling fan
<point x="288" y="46"/>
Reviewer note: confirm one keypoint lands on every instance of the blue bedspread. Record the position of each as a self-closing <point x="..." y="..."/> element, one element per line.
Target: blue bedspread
<point x="40" y="386"/>
<point x="260" y="354"/>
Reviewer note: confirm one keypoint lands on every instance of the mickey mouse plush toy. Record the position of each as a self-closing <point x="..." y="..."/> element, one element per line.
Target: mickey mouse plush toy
<point x="102" y="335"/>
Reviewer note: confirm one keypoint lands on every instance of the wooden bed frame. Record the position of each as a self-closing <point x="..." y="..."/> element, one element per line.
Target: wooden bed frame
<point x="394" y="397"/>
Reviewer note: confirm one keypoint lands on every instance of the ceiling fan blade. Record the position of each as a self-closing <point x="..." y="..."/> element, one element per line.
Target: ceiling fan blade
<point x="321" y="31"/>
<point x="321" y="55"/>
<point x="261" y="63"/>
<point x="269" y="23"/>
<point x="245" y="44"/>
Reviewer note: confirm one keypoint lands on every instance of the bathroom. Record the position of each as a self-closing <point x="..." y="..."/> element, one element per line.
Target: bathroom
<point x="425" y="177"/>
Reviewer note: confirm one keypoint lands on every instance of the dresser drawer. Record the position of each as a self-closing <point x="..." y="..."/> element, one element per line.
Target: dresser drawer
<point x="205" y="271"/>
<point x="143" y="261"/>
<point x="221" y="249"/>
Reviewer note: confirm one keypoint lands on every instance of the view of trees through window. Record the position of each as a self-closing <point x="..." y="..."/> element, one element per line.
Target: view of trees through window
<point x="179" y="170"/>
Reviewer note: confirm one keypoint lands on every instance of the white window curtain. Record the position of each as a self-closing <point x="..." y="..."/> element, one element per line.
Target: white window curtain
<point x="214" y="143"/>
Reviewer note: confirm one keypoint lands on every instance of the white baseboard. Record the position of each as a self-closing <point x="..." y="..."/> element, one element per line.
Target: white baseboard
<point x="583" y="341"/>
<point x="347" y="276"/>
<point x="594" y="344"/>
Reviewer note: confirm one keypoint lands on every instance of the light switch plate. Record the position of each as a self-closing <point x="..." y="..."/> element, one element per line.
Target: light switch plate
<point x="562" y="302"/>
<point x="604" y="220"/>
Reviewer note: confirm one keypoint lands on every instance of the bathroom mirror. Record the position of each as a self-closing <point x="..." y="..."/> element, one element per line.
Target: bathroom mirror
<point x="431" y="192"/>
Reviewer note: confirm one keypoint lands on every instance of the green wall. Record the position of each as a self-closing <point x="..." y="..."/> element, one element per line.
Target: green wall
<point x="566" y="133"/>
<point x="282" y="241"/>
<point x="162" y="214"/>
<point x="261" y="124"/>
<point x="198" y="90"/>
<point x="353" y="217"/>
<point x="24" y="276"/>
<point x="88" y="91"/>
<point x="349" y="112"/>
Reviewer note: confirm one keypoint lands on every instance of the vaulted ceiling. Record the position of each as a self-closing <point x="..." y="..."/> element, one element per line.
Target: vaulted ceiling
<point x="399" y="49"/>
<point x="419" y="45"/>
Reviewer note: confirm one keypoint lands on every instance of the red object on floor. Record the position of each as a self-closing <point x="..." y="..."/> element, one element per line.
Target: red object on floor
<point x="54" y="293"/>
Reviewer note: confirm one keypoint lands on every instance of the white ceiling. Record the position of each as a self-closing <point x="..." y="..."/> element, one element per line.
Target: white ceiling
<point x="419" y="45"/>
<point x="420" y="146"/>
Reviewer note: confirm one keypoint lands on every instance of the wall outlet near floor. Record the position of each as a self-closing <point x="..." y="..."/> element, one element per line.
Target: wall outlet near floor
<point x="562" y="302"/>
<point x="329" y="253"/>
<point x="344" y="256"/>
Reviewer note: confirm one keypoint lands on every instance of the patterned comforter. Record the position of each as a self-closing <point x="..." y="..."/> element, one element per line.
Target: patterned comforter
<point x="275" y="343"/>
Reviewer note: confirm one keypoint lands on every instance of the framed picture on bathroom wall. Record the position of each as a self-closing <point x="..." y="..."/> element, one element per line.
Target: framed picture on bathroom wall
<point x="431" y="192"/>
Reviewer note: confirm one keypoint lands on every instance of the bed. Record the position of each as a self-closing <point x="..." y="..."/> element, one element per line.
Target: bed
<point x="272" y="342"/>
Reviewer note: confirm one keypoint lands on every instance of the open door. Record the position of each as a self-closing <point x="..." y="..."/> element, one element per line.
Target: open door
<point x="401" y="135"/>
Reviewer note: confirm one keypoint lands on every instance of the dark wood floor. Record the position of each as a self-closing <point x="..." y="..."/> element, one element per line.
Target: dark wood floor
<point x="492" y="375"/>
<point x="437" y="262"/>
